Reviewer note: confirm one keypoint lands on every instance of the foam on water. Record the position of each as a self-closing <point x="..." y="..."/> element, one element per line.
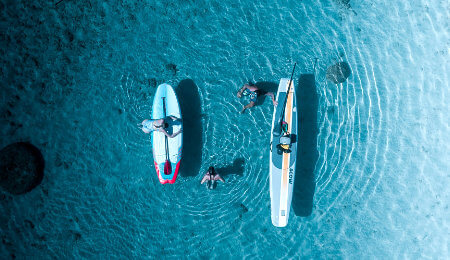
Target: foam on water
<point x="373" y="178"/>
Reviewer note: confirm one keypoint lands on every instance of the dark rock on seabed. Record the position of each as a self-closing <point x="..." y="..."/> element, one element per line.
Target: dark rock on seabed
<point x="21" y="167"/>
<point x="339" y="72"/>
<point x="152" y="82"/>
<point x="172" y="67"/>
<point x="244" y="208"/>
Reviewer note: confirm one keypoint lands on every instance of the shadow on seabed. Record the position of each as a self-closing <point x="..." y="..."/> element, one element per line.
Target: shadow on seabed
<point x="190" y="105"/>
<point x="307" y="155"/>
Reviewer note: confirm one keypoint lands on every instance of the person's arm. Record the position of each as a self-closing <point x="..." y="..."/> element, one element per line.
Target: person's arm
<point x="177" y="133"/>
<point x="270" y="94"/>
<point x="174" y="118"/>
<point x="239" y="94"/>
<point x="204" y="179"/>
<point x="248" y="106"/>
<point x="220" y="178"/>
<point x="164" y="132"/>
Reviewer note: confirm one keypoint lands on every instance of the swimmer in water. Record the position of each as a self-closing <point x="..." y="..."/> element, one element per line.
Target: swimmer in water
<point x="254" y="93"/>
<point x="211" y="176"/>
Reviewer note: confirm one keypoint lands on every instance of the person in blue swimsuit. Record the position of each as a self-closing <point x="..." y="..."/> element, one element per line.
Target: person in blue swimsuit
<point x="254" y="92"/>
<point x="149" y="125"/>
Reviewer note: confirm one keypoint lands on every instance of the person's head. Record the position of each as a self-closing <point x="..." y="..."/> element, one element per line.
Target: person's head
<point x="211" y="170"/>
<point x="239" y="94"/>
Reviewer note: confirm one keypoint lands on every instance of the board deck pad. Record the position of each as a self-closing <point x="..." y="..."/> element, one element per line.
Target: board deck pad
<point x="282" y="165"/>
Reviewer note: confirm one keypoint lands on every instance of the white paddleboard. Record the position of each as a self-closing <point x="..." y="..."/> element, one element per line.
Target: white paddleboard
<point x="282" y="164"/>
<point x="165" y="104"/>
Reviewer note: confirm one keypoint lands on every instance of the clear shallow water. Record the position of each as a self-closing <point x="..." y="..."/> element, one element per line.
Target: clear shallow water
<point x="375" y="166"/>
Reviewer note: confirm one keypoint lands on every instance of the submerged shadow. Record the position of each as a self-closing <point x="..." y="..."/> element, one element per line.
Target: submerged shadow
<point x="304" y="185"/>
<point x="236" y="168"/>
<point x="21" y="167"/>
<point x="267" y="87"/>
<point x="189" y="99"/>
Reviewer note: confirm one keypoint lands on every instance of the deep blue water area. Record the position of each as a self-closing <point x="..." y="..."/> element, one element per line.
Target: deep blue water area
<point x="373" y="164"/>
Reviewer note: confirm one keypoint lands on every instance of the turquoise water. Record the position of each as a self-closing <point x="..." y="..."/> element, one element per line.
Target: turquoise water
<point x="374" y="174"/>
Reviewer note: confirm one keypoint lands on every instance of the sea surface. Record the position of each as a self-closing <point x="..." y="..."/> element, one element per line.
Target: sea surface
<point x="373" y="172"/>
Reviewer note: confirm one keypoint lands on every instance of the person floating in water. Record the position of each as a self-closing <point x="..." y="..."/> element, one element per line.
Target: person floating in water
<point x="149" y="126"/>
<point x="211" y="176"/>
<point x="254" y="92"/>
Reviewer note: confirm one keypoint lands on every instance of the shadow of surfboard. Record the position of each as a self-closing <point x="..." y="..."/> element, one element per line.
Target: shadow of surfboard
<point x="307" y="155"/>
<point x="189" y="100"/>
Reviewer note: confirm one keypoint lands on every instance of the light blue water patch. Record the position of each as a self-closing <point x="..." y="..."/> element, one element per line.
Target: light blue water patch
<point x="373" y="174"/>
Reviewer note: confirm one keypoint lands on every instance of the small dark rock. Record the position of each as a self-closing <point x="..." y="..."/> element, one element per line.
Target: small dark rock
<point x="21" y="167"/>
<point x="35" y="60"/>
<point x="29" y="224"/>
<point x="8" y="113"/>
<point x="69" y="35"/>
<point x="119" y="111"/>
<point x="172" y="67"/>
<point x="345" y="3"/>
<point x="66" y="165"/>
<point x="6" y="242"/>
<point x="152" y="82"/>
<point x="244" y="208"/>
<point x="77" y="236"/>
<point x="67" y="60"/>
<point x="339" y="72"/>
